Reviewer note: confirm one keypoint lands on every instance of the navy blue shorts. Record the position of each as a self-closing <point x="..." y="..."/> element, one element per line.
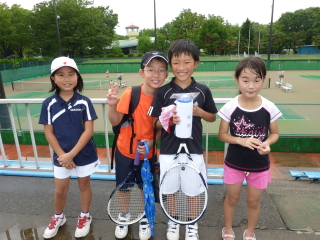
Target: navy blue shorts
<point x="124" y="166"/>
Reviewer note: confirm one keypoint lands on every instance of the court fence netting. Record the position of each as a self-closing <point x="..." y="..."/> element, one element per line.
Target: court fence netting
<point x="29" y="85"/>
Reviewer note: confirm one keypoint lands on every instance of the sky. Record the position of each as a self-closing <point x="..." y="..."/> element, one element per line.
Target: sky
<point x="141" y="12"/>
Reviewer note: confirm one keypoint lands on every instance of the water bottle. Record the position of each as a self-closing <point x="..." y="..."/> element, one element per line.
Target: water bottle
<point x="185" y="111"/>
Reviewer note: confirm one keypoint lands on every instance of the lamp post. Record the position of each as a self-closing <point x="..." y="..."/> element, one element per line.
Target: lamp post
<point x="155" y="26"/>
<point x="270" y="36"/>
<point x="57" y="23"/>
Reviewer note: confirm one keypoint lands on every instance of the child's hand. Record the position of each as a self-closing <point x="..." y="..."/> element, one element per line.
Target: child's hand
<point x="175" y="118"/>
<point x="112" y="95"/>
<point x="71" y="165"/>
<point x="142" y="149"/>
<point x="197" y="111"/>
<point x="65" y="160"/>
<point x="264" y="148"/>
<point x="250" y="142"/>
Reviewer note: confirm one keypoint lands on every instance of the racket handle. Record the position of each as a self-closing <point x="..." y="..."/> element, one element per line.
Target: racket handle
<point x="137" y="155"/>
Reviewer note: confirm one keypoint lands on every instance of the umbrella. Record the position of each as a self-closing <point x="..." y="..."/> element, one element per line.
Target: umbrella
<point x="148" y="193"/>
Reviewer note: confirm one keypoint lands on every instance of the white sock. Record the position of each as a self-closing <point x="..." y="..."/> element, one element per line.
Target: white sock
<point x="82" y="214"/>
<point x="58" y="215"/>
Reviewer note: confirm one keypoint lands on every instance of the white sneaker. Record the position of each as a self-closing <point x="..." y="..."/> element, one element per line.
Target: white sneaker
<point x="192" y="232"/>
<point x="122" y="230"/>
<point x="53" y="226"/>
<point x="144" y="229"/>
<point x="83" y="226"/>
<point x="173" y="231"/>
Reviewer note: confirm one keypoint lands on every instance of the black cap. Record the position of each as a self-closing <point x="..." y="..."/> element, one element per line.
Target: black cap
<point x="151" y="55"/>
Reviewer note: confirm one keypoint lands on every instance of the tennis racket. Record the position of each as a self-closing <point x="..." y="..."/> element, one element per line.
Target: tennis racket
<point x="183" y="190"/>
<point x="127" y="198"/>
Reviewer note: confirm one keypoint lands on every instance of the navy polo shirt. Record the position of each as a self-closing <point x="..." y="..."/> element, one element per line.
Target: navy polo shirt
<point x="169" y="142"/>
<point x="68" y="120"/>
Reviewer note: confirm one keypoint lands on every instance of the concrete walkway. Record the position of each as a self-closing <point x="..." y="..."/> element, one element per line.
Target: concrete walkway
<point x="27" y="205"/>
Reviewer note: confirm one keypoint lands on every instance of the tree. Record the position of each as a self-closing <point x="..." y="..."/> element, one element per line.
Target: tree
<point x="214" y="35"/>
<point x="20" y="20"/>
<point x="144" y="44"/>
<point x="6" y="30"/>
<point x="82" y="28"/>
<point x="162" y="43"/>
<point x="246" y="36"/>
<point x="186" y="25"/>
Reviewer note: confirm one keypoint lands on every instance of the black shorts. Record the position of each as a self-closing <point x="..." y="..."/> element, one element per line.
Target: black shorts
<point x="124" y="166"/>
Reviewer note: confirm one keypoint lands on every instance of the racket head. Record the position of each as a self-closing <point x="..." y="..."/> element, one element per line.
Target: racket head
<point x="183" y="194"/>
<point x="127" y="197"/>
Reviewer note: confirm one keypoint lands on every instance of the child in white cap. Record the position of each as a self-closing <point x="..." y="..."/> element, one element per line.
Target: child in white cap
<point x="68" y="119"/>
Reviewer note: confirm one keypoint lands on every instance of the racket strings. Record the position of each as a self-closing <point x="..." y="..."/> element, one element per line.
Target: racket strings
<point x="127" y="199"/>
<point x="184" y="194"/>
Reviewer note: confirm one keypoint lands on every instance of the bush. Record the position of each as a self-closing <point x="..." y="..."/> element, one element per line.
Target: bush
<point x="140" y="54"/>
<point x="110" y="55"/>
<point x="130" y="55"/>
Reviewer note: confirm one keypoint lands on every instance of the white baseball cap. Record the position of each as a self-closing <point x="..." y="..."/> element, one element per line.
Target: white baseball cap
<point x="63" y="62"/>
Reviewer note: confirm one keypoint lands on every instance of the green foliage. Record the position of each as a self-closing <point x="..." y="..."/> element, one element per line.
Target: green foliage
<point x="130" y="54"/>
<point x="144" y="44"/>
<point x="111" y="55"/>
<point x="187" y="25"/>
<point x="214" y="35"/>
<point x="82" y="27"/>
<point x="86" y="30"/>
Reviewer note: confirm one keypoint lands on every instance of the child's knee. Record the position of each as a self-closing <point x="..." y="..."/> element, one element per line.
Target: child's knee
<point x="60" y="193"/>
<point x="232" y="200"/>
<point x="84" y="185"/>
<point x="253" y="203"/>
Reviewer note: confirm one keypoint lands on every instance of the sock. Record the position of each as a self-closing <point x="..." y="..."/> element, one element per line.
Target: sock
<point x="125" y="215"/>
<point x="58" y="215"/>
<point x="82" y="214"/>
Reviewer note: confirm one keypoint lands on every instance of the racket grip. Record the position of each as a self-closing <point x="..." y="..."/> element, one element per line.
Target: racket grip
<point x="137" y="155"/>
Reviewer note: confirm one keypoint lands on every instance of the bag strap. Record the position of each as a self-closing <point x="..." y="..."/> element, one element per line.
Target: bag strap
<point x="155" y="137"/>
<point x="135" y="98"/>
<point x="134" y="101"/>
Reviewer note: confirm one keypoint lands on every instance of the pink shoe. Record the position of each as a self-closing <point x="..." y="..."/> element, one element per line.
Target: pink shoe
<point x="248" y="238"/>
<point x="224" y="236"/>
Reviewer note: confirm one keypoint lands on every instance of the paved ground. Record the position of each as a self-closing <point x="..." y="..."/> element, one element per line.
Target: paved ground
<point x="27" y="203"/>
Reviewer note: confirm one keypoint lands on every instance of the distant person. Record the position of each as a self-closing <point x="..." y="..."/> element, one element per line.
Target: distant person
<point x="249" y="124"/>
<point x="183" y="58"/>
<point x="154" y="70"/>
<point x="68" y="118"/>
<point x="107" y="74"/>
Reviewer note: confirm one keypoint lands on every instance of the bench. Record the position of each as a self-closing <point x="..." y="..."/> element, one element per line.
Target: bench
<point x="312" y="175"/>
<point x="122" y="84"/>
<point x="278" y="83"/>
<point x="287" y="87"/>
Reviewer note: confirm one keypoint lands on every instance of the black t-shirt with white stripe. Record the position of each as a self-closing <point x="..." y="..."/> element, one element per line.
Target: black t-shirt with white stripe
<point x="169" y="142"/>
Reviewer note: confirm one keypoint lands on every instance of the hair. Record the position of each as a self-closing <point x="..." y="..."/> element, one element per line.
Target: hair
<point x="55" y="88"/>
<point x="181" y="46"/>
<point x="254" y="64"/>
<point x="159" y="59"/>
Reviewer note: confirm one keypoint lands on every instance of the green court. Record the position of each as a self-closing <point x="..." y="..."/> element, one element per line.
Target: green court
<point x="313" y="77"/>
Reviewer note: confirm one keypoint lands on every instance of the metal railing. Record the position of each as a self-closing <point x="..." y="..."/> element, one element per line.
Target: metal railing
<point x="15" y="123"/>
